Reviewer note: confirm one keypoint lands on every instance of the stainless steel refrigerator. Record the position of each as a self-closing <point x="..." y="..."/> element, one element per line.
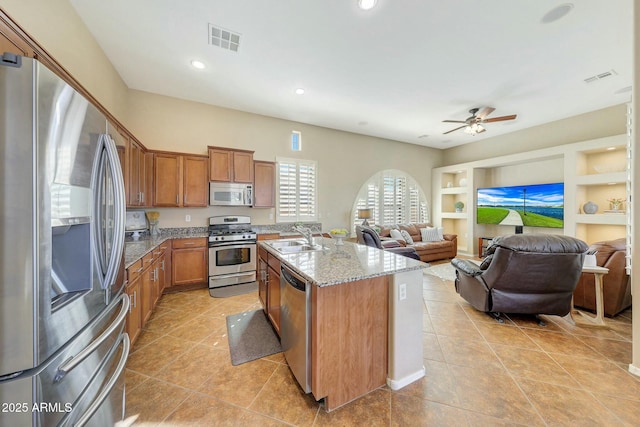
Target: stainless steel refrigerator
<point x="63" y="348"/>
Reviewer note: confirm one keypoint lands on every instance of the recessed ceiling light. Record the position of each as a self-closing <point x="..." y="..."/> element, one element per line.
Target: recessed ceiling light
<point x="197" y="64"/>
<point x="300" y="91"/>
<point x="611" y="148"/>
<point x="367" y="4"/>
<point x="557" y="13"/>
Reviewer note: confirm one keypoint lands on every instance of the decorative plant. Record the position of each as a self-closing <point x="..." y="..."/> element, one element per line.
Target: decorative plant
<point x="616" y="202"/>
<point x="339" y="231"/>
<point x="458" y="205"/>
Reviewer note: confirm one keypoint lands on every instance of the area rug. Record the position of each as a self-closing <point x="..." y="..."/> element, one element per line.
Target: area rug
<point x="443" y="271"/>
<point x="251" y="337"/>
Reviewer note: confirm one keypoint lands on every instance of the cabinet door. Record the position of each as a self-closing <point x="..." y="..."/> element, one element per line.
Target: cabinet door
<point x="273" y="301"/>
<point x="264" y="184"/>
<point x="220" y="165"/>
<point x="195" y="181"/>
<point x="134" y="317"/>
<point x="243" y="167"/>
<point x="147" y="179"/>
<point x="147" y="294"/>
<point x="9" y="42"/>
<point x="262" y="282"/>
<point x="189" y="266"/>
<point x="135" y="162"/>
<point x="166" y="180"/>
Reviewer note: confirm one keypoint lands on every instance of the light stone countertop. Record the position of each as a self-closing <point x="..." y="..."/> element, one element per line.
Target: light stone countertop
<point x="347" y="263"/>
<point x="136" y="249"/>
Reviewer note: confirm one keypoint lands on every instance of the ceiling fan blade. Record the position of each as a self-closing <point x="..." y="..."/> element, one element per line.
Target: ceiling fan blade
<point x="453" y="130"/>
<point x="500" y="119"/>
<point x="485" y="112"/>
<point x="453" y="121"/>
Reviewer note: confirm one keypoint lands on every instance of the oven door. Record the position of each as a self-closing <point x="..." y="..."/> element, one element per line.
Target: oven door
<point x="232" y="258"/>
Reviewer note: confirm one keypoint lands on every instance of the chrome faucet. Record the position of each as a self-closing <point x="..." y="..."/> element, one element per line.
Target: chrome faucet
<point x="306" y="232"/>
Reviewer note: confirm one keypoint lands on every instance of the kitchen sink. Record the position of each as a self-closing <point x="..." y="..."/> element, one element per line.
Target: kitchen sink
<point x="293" y="246"/>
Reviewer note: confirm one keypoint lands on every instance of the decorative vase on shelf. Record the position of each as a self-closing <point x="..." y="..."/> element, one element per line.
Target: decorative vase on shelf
<point x="590" y="208"/>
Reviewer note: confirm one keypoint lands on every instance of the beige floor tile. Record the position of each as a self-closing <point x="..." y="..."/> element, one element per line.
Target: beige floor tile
<point x="562" y="343"/>
<point x="506" y="334"/>
<point x="240" y="384"/>
<point x="193" y="368"/>
<point x="493" y="392"/>
<point x="459" y="327"/>
<point x="534" y="365"/>
<point x="413" y="411"/>
<point x="152" y="358"/>
<point x="283" y="399"/>
<point x="154" y="400"/>
<point x="462" y="352"/>
<point x="626" y="410"/>
<point x="615" y="350"/>
<point x="437" y="385"/>
<point x="567" y="406"/>
<point x="201" y="410"/>
<point x="370" y="410"/>
<point x="431" y="348"/>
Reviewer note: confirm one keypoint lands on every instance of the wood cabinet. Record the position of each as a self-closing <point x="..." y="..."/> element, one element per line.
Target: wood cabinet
<point x="134" y="318"/>
<point x="180" y="180"/>
<point x="230" y="165"/>
<point x="264" y="185"/>
<point x="189" y="261"/>
<point x="269" y="286"/>
<point x="10" y="42"/>
<point x="148" y="287"/>
<point x="137" y="174"/>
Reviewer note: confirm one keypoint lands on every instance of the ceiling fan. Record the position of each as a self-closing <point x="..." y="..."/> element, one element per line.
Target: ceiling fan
<point x="473" y="125"/>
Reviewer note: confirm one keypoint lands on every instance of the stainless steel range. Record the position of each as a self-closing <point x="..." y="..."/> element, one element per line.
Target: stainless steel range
<point x="232" y="256"/>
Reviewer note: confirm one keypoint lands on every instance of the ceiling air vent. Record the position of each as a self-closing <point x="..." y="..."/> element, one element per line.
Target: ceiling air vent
<point x="600" y="76"/>
<point x="223" y="38"/>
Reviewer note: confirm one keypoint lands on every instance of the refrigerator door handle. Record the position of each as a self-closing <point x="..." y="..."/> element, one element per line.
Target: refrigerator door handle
<point x="74" y="361"/>
<point x="95" y="405"/>
<point x="119" y="209"/>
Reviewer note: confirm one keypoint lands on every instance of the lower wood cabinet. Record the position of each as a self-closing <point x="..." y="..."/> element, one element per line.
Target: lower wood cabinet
<point x="189" y="261"/>
<point x="269" y="286"/>
<point x="134" y="318"/>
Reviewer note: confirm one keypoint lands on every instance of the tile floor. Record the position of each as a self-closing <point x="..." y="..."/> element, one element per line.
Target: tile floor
<point x="478" y="372"/>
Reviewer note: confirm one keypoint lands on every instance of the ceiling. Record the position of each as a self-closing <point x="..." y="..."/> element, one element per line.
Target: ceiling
<point x="396" y="71"/>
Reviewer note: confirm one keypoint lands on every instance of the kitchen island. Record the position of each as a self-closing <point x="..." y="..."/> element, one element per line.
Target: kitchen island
<point x="365" y="320"/>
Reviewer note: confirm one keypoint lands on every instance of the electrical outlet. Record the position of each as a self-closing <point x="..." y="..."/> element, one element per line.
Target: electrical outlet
<point x="402" y="291"/>
<point x="271" y="216"/>
<point x="187" y="218"/>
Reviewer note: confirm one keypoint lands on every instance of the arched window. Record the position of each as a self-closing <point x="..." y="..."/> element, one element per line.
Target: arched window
<point x="394" y="198"/>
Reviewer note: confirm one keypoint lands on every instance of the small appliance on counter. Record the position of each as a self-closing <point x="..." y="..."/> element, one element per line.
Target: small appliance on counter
<point x="135" y="223"/>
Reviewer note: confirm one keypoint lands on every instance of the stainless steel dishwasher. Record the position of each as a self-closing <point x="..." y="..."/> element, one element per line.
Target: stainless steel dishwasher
<point x="295" y="325"/>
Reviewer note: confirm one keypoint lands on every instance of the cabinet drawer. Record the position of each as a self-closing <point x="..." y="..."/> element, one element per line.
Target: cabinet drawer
<point x="194" y="242"/>
<point x="134" y="270"/>
<point x="269" y="236"/>
<point x="147" y="260"/>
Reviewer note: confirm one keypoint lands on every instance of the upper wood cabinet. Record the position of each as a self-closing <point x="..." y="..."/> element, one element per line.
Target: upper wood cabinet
<point x="230" y="165"/>
<point x="180" y="180"/>
<point x="137" y="174"/>
<point x="264" y="195"/>
<point x="10" y="42"/>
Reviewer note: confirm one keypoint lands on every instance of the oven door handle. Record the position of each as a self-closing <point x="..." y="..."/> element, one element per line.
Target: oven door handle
<point x="235" y="245"/>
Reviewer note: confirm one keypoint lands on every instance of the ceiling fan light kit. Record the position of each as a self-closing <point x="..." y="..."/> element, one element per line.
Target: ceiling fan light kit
<point x="472" y="125"/>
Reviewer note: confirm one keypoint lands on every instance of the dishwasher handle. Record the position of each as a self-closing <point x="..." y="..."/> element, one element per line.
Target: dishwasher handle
<point x="293" y="279"/>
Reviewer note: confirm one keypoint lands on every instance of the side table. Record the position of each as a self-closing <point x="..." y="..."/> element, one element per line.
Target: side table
<point x="598" y="318"/>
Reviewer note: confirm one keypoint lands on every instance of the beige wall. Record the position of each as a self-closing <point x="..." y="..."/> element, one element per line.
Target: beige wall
<point x="345" y="160"/>
<point x="55" y="25"/>
<point x="597" y="124"/>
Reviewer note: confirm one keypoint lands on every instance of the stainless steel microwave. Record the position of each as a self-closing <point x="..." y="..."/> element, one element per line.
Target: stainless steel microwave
<point x="230" y="194"/>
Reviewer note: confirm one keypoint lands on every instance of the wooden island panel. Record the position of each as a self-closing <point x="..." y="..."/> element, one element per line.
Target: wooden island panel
<point x="349" y="336"/>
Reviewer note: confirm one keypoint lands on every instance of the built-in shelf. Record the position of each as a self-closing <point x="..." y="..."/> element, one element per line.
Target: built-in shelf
<point x="454" y="215"/>
<point x="602" y="178"/>
<point x="612" y="219"/>
<point x="455" y="190"/>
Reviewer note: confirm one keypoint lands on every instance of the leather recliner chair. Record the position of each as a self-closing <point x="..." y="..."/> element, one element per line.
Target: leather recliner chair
<point x="524" y="274"/>
<point x="616" y="284"/>
<point x="368" y="236"/>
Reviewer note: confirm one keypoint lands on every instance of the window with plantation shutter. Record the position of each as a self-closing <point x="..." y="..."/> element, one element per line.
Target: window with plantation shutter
<point x="297" y="190"/>
<point x="394" y="197"/>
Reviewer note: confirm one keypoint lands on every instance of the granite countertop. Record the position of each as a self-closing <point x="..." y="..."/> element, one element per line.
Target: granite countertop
<point x="136" y="249"/>
<point x="347" y="263"/>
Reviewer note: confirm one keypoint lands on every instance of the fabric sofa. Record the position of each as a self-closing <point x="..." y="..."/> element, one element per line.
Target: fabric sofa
<point x="616" y="284"/>
<point x="444" y="248"/>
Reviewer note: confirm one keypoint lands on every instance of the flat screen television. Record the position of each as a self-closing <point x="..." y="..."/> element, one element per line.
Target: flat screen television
<point x="539" y="205"/>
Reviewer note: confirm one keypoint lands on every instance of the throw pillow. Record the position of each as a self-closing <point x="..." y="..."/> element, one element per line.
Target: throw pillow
<point x="441" y="233"/>
<point x="430" y="234"/>
<point x="395" y="234"/>
<point x="407" y="237"/>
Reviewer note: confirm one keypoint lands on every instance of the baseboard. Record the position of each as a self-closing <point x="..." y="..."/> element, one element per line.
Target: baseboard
<point x="635" y="370"/>
<point x="398" y="384"/>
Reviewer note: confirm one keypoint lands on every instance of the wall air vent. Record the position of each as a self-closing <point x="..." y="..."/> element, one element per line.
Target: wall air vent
<point x="223" y="38"/>
<point x="600" y="76"/>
